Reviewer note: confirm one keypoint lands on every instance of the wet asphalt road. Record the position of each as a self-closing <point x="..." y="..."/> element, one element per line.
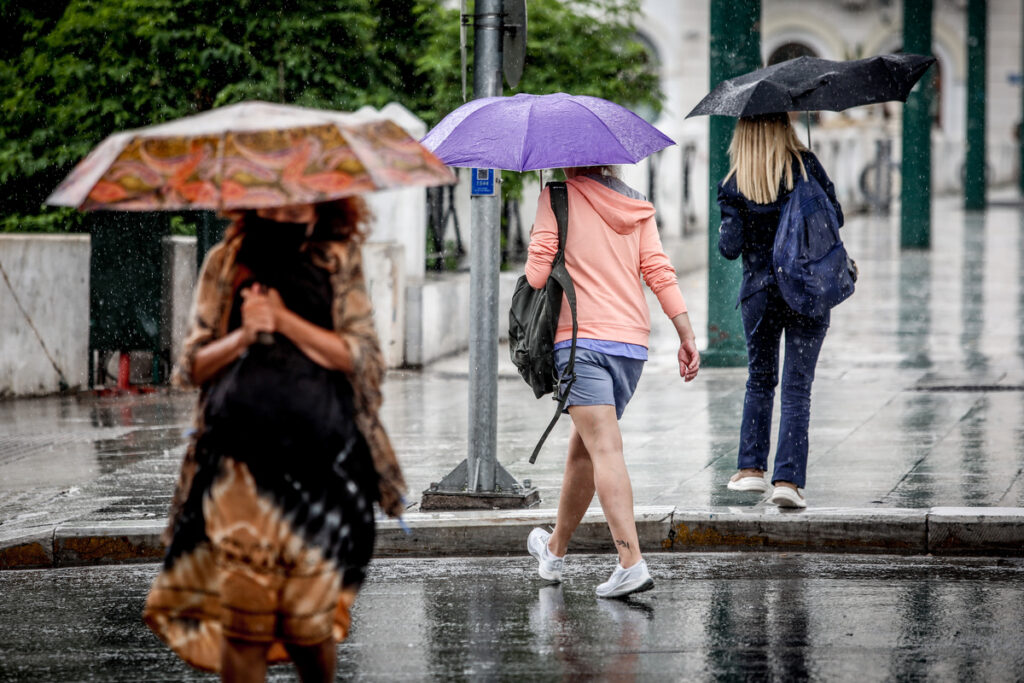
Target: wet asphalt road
<point x="728" y="616"/>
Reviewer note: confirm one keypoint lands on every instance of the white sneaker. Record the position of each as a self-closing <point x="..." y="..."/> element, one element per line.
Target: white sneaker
<point x="749" y="483"/>
<point x="549" y="565"/>
<point x="624" y="582"/>
<point x="785" y="497"/>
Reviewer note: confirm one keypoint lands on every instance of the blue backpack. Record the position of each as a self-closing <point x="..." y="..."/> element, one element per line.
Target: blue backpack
<point x="811" y="266"/>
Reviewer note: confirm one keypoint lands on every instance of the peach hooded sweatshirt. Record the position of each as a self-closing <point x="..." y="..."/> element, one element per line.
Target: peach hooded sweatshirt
<point x="612" y="242"/>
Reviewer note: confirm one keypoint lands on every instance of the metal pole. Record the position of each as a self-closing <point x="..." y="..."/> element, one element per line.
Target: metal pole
<point x="480" y="481"/>
<point x="974" y="163"/>
<point x="1020" y="127"/>
<point x="735" y="49"/>
<point x="484" y="267"/>
<point x="916" y="169"/>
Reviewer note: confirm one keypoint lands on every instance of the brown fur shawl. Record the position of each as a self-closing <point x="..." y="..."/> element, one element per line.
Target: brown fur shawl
<point x="353" y="321"/>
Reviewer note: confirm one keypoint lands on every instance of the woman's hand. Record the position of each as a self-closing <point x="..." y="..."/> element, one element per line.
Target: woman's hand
<point x="261" y="310"/>
<point x="688" y="356"/>
<point x="689" y="359"/>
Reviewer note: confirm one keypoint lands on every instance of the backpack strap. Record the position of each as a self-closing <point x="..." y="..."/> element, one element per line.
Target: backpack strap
<point x="559" y="273"/>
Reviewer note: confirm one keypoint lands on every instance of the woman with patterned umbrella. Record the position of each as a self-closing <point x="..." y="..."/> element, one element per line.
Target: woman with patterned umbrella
<point x="272" y="521"/>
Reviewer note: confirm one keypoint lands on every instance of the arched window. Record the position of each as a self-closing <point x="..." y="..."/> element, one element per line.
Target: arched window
<point x="792" y="50"/>
<point x="788" y="51"/>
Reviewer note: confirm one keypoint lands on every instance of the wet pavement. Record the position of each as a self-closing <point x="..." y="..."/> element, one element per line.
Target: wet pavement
<point x="725" y="616"/>
<point x="918" y="403"/>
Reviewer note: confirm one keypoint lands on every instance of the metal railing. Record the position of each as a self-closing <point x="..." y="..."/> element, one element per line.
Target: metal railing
<point x="443" y="252"/>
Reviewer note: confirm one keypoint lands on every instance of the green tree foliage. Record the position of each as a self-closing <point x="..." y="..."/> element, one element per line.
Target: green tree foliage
<point x="74" y="71"/>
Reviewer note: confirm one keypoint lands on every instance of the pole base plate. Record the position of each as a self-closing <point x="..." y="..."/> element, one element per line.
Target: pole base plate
<point x="437" y="499"/>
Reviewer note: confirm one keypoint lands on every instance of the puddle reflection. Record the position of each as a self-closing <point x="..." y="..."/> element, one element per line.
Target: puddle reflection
<point x="972" y="293"/>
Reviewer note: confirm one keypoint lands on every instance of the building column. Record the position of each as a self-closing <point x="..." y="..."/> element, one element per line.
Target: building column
<point x="974" y="157"/>
<point x="916" y="170"/>
<point x="735" y="46"/>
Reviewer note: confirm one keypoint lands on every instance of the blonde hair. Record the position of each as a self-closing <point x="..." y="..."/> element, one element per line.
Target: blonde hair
<point x="761" y="155"/>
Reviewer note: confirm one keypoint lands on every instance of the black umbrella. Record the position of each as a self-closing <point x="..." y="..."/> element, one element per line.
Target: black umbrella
<point x="812" y="84"/>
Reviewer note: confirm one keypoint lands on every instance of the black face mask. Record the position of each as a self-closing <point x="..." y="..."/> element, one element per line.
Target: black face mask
<point x="285" y="235"/>
<point x="268" y="245"/>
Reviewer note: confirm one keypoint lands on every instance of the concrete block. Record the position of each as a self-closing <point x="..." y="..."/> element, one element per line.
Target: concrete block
<point x="888" y="530"/>
<point x="714" y="530"/>
<point x="446" y="534"/>
<point x="384" y="270"/>
<point x="830" y="530"/>
<point x="44" y="306"/>
<point x="976" y="530"/>
<point x="177" y="291"/>
<point x="107" y="542"/>
<point x="687" y="254"/>
<point x="437" y="315"/>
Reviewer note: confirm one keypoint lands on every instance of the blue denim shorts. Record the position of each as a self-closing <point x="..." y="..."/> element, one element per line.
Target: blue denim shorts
<point x="601" y="379"/>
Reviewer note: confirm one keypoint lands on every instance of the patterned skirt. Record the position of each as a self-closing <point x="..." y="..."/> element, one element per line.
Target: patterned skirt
<point x="267" y="548"/>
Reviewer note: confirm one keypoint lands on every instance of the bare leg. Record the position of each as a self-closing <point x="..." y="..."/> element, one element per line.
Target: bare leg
<point x="315" y="663"/>
<point x="242" y="661"/>
<point x="599" y="430"/>
<point x="577" y="492"/>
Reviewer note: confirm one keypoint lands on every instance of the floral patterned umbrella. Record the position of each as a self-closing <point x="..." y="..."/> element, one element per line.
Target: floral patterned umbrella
<point x="248" y="156"/>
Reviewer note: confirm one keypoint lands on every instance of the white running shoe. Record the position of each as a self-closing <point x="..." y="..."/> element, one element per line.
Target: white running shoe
<point x="749" y="483"/>
<point x="549" y="565"/>
<point x="785" y="497"/>
<point x="624" y="582"/>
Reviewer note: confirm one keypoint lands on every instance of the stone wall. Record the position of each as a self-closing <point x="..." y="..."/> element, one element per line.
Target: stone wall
<point x="49" y="276"/>
<point x="179" y="281"/>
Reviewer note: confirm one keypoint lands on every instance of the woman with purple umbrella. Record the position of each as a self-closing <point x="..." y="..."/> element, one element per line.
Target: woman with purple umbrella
<point x="612" y="248"/>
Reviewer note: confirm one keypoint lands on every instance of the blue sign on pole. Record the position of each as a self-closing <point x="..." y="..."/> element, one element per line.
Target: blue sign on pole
<point x="483" y="182"/>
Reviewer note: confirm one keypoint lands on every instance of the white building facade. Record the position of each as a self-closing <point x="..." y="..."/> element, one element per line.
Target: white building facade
<point x="678" y="33"/>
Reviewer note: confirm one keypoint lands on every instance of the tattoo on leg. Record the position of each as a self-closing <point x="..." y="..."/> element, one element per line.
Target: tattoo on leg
<point x="624" y="544"/>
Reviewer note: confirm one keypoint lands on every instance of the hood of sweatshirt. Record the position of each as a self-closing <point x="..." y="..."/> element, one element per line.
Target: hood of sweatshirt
<point x="624" y="214"/>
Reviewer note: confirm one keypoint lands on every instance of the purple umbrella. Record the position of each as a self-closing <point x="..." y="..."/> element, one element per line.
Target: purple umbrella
<point x="533" y="132"/>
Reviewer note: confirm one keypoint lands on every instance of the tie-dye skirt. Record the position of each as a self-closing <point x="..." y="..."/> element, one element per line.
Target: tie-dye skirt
<point x="269" y="548"/>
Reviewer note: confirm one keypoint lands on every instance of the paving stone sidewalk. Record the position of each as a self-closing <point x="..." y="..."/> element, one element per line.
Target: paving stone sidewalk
<point x="917" y="436"/>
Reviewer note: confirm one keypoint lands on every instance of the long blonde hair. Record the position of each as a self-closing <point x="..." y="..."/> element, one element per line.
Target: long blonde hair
<point x="761" y="155"/>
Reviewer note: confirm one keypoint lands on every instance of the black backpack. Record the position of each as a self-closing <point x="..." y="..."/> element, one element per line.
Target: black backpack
<point x="533" y="318"/>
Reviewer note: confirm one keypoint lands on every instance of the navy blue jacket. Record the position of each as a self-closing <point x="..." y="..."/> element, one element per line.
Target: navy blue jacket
<point x="748" y="229"/>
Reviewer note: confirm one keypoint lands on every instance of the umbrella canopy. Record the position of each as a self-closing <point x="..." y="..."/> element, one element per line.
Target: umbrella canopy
<point x="533" y="132"/>
<point x="812" y="84"/>
<point x="248" y="156"/>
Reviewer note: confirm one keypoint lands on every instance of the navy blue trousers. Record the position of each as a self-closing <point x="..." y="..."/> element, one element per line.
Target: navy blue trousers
<point x="765" y="318"/>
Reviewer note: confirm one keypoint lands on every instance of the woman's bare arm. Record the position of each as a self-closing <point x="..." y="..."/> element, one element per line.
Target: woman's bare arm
<point x="257" y="316"/>
<point x="323" y="346"/>
<point x="213" y="357"/>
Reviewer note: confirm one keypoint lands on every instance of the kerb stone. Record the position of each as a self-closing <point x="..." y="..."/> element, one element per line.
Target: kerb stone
<point x="972" y="531"/>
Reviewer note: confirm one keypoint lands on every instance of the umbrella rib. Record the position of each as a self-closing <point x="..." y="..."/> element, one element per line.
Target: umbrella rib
<point x="606" y="127"/>
<point x="522" y="147"/>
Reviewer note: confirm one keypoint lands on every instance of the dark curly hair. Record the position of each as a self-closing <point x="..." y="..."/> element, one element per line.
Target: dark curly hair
<point x="337" y="220"/>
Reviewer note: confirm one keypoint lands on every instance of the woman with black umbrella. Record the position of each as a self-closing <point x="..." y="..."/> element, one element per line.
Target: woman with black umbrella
<point x="765" y="157"/>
